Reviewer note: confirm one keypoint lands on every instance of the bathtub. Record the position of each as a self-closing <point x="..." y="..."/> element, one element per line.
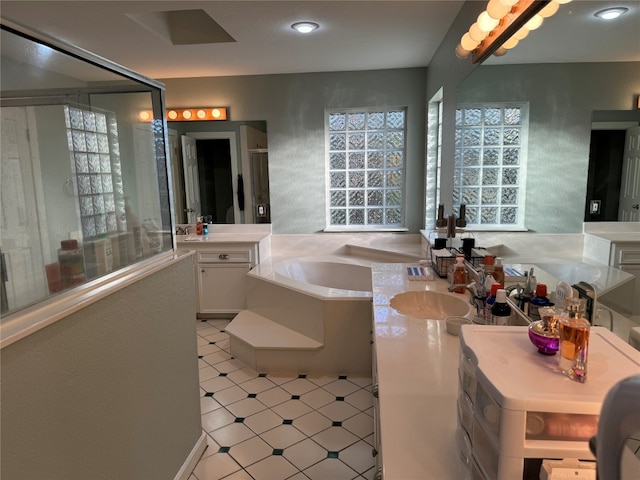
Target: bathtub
<point x="326" y="299"/>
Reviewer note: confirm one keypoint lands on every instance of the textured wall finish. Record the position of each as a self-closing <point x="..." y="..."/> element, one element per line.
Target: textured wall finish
<point x="109" y="392"/>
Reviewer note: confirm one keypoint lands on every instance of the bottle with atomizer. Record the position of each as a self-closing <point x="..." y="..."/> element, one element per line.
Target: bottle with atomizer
<point x="199" y="226"/>
<point x="459" y="273"/>
<point x="205" y="230"/>
<point x="538" y="300"/>
<point x="488" y="303"/>
<point x="500" y="311"/>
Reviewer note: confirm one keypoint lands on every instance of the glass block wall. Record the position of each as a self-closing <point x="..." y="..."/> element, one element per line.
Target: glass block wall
<point x="366" y="158"/>
<point x="490" y="163"/>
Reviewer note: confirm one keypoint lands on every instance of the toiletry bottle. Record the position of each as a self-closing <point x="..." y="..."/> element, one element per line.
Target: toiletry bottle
<point x="539" y="300"/>
<point x="498" y="272"/>
<point x="459" y="274"/>
<point x="488" y="283"/>
<point x="71" y="259"/>
<point x="199" y="226"/>
<point x="205" y="230"/>
<point x="500" y="311"/>
<point x="488" y="303"/>
<point x="489" y="262"/>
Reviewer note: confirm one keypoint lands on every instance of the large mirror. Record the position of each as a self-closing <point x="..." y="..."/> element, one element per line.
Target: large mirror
<point x="572" y="86"/>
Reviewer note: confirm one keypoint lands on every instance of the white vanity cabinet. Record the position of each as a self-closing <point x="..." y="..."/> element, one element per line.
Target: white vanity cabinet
<point x="222" y="261"/>
<point x="221" y="279"/>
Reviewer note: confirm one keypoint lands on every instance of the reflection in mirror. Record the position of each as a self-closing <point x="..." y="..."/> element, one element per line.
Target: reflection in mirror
<point x="563" y="84"/>
<point x="220" y="171"/>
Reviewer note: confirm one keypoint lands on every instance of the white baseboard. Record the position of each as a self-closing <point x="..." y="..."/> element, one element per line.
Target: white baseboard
<point x="193" y="458"/>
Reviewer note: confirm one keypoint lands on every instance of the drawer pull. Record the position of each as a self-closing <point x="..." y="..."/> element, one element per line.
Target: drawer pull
<point x="224" y="256"/>
<point x="374" y="391"/>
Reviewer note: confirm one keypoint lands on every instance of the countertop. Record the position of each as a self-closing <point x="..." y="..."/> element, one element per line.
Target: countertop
<point x="617" y="237"/>
<point x="214" y="238"/>
<point x="417" y="363"/>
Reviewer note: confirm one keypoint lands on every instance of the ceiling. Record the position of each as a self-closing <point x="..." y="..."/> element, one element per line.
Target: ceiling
<point x="353" y="35"/>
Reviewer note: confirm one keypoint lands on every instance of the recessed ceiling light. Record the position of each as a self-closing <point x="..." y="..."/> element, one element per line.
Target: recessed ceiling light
<point x="611" y="13"/>
<point x="305" y="27"/>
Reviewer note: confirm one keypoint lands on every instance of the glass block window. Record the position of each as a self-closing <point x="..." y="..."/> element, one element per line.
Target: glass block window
<point x="366" y="155"/>
<point x="490" y="164"/>
<point x="92" y="138"/>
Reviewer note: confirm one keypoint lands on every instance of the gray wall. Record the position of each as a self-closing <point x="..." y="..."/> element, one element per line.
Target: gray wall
<point x="293" y="107"/>
<point x="109" y="392"/>
<point x="562" y="98"/>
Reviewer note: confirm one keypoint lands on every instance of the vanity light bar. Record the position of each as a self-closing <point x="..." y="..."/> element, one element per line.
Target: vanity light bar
<point x="502" y="25"/>
<point x="195" y="114"/>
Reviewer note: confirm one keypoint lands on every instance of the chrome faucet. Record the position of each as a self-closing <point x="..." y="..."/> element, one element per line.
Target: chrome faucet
<point x="182" y="230"/>
<point x="475" y="300"/>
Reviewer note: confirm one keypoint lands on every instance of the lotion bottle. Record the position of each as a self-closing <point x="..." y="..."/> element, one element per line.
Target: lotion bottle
<point x="459" y="274"/>
<point x="500" y="311"/>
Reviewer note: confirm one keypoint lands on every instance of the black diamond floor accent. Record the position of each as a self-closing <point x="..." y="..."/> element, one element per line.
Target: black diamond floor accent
<point x="222" y="374"/>
<point x="332" y="454"/>
<point x="224" y="449"/>
<point x="339" y="399"/>
<point x="342" y="377"/>
<point x="278" y="451"/>
<point x="252" y="395"/>
<point x="262" y="375"/>
<point x="295" y="397"/>
<point x="287" y="422"/>
<point x="239" y="420"/>
<point x="200" y="356"/>
<point x="336" y="424"/>
<point x="302" y="375"/>
<point x="208" y="394"/>
<point x="212" y="343"/>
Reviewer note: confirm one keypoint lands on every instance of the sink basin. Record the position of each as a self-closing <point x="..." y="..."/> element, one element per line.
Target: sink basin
<point x="427" y="304"/>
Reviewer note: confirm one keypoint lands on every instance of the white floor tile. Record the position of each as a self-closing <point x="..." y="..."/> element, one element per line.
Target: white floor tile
<point x="246" y="407"/>
<point x="208" y="404"/>
<point x="370" y="474"/>
<point x="358" y="456"/>
<point x="340" y="388"/>
<point x="257" y="385"/>
<point x="360" y="381"/>
<point x="250" y="451"/>
<point x="228" y="366"/>
<point x="242" y="375"/>
<point x="216" y="384"/>
<point x="229" y="395"/>
<point x="299" y="386"/>
<point x="207" y="372"/>
<point x="330" y="468"/>
<point x="321" y="380"/>
<point x="338" y="411"/>
<point x="292" y="409"/>
<point x="282" y="436"/>
<point x="240" y="475"/>
<point x="214" y="336"/>
<point x="335" y="439"/>
<point x="280" y="378"/>
<point x="317" y="398"/>
<point x="216" y="357"/>
<point x="360" y="425"/>
<point x="212" y="447"/>
<point x="297" y="476"/>
<point x="274" y="396"/>
<point x="216" y="419"/>
<point x="312" y="423"/>
<point x="207" y="349"/>
<point x="263" y="421"/>
<point x="370" y="439"/>
<point x="275" y="467"/>
<point x="361" y="399"/>
<point x="305" y="453"/>
<point x="232" y="434"/>
<point x="215" y="467"/>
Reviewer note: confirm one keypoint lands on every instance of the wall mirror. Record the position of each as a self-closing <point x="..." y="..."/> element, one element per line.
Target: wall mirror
<point x="594" y="87"/>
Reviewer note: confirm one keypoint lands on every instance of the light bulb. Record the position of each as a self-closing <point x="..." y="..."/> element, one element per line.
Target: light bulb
<point x="201" y="114"/>
<point x="500" y="52"/>
<point x="510" y="43"/>
<point x="486" y="23"/>
<point x="496" y="9"/>
<point x="461" y="52"/>
<point x="145" y="115"/>
<point x="476" y="33"/>
<point x="172" y="114"/>
<point x="534" y="23"/>
<point x="187" y="114"/>
<point x="549" y="10"/>
<point x="562" y="2"/>
<point x="215" y="113"/>
<point x="522" y="33"/>
<point x="611" y="13"/>
<point x="305" y="27"/>
<point x="467" y="42"/>
<point x="509" y="3"/>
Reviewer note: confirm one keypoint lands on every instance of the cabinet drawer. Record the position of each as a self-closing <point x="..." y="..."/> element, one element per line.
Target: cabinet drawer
<point x="225" y="256"/>
<point x="628" y="256"/>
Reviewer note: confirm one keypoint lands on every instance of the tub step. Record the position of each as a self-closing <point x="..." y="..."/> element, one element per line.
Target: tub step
<point x="262" y="333"/>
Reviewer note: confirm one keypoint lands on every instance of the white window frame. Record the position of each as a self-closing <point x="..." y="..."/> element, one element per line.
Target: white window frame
<point x="519" y="224"/>
<point x="390" y="173"/>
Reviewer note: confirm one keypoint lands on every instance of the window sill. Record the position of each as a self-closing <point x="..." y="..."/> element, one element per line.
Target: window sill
<point x="365" y="230"/>
<point x="495" y="228"/>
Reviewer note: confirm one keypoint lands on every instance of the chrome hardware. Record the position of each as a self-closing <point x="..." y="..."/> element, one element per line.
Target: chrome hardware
<point x="636" y="206"/>
<point x="374" y="391"/>
<point x="224" y="256"/>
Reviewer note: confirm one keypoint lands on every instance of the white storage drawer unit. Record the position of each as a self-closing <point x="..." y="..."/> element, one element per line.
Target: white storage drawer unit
<point x="515" y="408"/>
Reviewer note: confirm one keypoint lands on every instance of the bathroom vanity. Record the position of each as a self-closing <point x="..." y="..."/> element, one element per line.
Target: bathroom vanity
<point x="222" y="260"/>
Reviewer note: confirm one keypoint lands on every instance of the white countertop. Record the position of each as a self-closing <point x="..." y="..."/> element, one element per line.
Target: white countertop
<point x="214" y="238"/>
<point x="417" y="363"/>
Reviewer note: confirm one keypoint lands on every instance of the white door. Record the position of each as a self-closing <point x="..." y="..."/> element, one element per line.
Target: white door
<point x="629" y="208"/>
<point x="24" y="279"/>
<point x="177" y="183"/>
<point x="191" y="178"/>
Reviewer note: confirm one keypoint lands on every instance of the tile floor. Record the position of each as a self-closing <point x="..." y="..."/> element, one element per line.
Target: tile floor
<point x="265" y="427"/>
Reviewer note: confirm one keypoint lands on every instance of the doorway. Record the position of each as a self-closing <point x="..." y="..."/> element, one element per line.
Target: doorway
<point x="216" y="181"/>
